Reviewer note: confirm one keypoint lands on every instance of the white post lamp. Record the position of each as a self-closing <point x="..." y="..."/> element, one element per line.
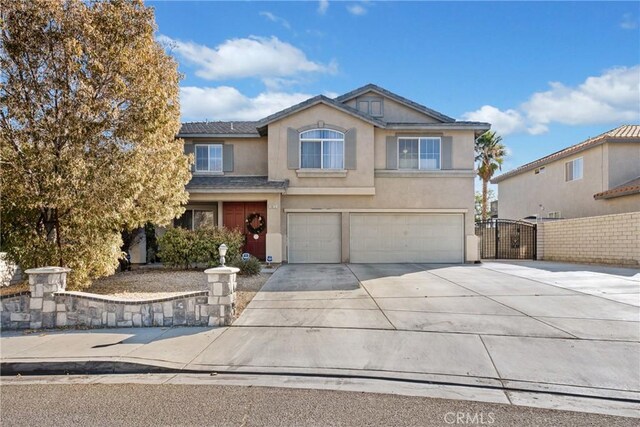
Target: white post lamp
<point x="222" y="250"/>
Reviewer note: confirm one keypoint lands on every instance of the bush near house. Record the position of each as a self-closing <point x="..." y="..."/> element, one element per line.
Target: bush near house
<point x="182" y="248"/>
<point x="251" y="267"/>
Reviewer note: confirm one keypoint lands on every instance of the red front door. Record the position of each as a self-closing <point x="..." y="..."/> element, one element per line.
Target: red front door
<point x="235" y="214"/>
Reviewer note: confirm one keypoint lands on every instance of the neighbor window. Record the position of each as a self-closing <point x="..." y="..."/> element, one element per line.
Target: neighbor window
<point x="419" y="153"/>
<point x="554" y="215"/>
<point x="322" y="149"/>
<point x="193" y="219"/>
<point x="209" y="158"/>
<point x="573" y="169"/>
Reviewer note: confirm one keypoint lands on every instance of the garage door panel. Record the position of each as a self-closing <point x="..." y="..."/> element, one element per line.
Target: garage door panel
<point x="397" y="238"/>
<point x="314" y="237"/>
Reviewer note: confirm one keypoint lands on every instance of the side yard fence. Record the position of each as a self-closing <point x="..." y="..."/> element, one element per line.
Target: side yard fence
<point x="607" y="239"/>
<point x="47" y="304"/>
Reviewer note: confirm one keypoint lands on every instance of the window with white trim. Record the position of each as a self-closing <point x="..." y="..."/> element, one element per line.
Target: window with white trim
<point x="321" y="149"/>
<point x="208" y="157"/>
<point x="419" y="153"/>
<point x="573" y="170"/>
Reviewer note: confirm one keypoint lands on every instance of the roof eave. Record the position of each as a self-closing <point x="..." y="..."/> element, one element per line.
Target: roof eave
<point x="402" y="100"/>
<point x="538" y="163"/>
<point x="606" y="195"/>
<point x="318" y="100"/>
<point x="218" y="135"/>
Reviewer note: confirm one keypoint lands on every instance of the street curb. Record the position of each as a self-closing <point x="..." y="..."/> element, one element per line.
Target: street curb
<point x="119" y="367"/>
<point x="84" y="368"/>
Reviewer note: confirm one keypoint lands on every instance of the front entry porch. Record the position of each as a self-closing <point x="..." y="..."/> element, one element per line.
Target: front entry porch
<point x="251" y="219"/>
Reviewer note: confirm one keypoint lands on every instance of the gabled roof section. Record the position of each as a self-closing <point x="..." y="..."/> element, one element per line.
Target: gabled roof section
<point x="202" y="129"/>
<point x="624" y="133"/>
<point x="402" y="100"/>
<point x="320" y="99"/>
<point x="626" y="189"/>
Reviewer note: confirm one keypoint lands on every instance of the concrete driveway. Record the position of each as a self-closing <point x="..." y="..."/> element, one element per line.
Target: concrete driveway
<point x="536" y="326"/>
<point x="524" y="299"/>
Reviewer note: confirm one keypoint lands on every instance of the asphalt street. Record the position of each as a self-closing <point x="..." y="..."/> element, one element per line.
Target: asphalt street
<point x="149" y="404"/>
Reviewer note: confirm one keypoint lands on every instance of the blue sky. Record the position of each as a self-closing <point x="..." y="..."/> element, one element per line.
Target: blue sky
<point x="547" y="75"/>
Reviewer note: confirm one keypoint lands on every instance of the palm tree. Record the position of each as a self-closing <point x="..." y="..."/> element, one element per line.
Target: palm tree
<point x="490" y="154"/>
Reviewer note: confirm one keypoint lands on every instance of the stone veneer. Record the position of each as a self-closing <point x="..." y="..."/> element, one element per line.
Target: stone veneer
<point x="48" y="305"/>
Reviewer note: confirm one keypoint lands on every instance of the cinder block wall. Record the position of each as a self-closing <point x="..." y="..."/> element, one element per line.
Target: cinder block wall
<point x="607" y="239"/>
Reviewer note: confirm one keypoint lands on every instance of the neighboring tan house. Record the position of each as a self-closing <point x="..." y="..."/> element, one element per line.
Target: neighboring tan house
<point x="599" y="176"/>
<point x="369" y="176"/>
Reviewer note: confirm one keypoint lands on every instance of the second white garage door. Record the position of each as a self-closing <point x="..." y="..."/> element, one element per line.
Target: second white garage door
<point x="381" y="238"/>
<point x="314" y="237"/>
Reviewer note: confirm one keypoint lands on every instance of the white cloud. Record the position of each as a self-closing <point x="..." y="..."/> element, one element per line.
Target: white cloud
<point x="628" y="22"/>
<point x="503" y="122"/>
<point x="273" y="18"/>
<point x="261" y="57"/>
<point x="356" y="9"/>
<point x="612" y="97"/>
<point x="323" y="5"/>
<point x="227" y="103"/>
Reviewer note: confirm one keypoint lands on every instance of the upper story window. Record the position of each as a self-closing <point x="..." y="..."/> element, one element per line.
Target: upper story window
<point x="573" y="170"/>
<point x="419" y="153"/>
<point x="321" y="149"/>
<point x="209" y="158"/>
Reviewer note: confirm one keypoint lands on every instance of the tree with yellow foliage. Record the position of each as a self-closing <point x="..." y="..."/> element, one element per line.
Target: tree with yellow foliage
<point x="89" y="111"/>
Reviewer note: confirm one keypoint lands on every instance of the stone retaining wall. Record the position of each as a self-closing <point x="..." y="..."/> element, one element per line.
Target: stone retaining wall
<point x="48" y="305"/>
<point x="606" y="239"/>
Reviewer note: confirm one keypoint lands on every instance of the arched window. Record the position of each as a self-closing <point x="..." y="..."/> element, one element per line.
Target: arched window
<point x="321" y="149"/>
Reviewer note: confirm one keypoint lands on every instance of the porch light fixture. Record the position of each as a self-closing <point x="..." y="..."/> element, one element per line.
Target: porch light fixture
<point x="222" y="250"/>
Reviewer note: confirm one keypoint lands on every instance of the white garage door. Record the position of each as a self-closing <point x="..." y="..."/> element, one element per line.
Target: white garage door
<point x="379" y="238"/>
<point x="314" y="237"/>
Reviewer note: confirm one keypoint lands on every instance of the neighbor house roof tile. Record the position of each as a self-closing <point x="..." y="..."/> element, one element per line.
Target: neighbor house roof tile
<point x="625" y="133"/>
<point x="629" y="187"/>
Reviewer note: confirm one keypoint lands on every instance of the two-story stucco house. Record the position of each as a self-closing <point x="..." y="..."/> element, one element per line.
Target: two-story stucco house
<point x="369" y="176"/>
<point x="599" y="176"/>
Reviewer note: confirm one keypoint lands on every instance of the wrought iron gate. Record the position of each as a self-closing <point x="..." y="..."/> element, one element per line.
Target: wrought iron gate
<point x="506" y="239"/>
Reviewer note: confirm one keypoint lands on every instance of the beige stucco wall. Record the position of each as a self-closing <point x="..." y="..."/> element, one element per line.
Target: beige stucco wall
<point x="452" y="194"/>
<point x="461" y="152"/>
<point x="624" y="162"/>
<point x="608" y="239"/>
<point x="394" y="111"/>
<point x="360" y="177"/>
<point x="521" y="195"/>
<point x="249" y="154"/>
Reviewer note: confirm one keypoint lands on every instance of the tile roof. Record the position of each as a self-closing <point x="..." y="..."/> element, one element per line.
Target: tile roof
<point x="371" y="87"/>
<point x="235" y="183"/>
<point x="629" y="187"/>
<point x="625" y="133"/>
<point x="218" y="128"/>
<point x="257" y="128"/>
<point x="316" y="100"/>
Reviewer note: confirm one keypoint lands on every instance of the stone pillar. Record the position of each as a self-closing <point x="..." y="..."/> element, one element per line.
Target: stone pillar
<point x="222" y="295"/>
<point x="44" y="283"/>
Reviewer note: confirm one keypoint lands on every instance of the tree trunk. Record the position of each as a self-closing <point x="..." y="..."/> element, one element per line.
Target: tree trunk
<point x="484" y="199"/>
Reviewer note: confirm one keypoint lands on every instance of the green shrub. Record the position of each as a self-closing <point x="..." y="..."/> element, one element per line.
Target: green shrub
<point x="185" y="248"/>
<point x="176" y="247"/>
<point x="251" y="267"/>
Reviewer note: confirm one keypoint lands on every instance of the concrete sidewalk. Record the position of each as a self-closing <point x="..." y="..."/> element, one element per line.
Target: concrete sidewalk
<point x="350" y="328"/>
